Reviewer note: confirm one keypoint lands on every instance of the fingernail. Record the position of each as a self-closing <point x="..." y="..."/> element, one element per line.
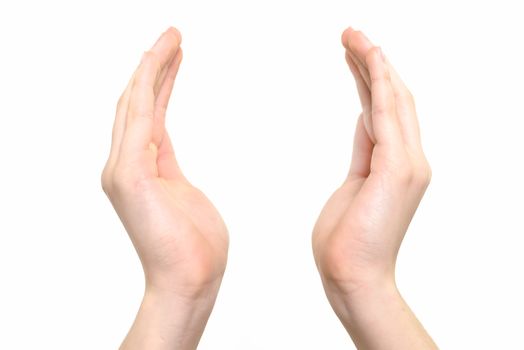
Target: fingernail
<point x="382" y="54"/>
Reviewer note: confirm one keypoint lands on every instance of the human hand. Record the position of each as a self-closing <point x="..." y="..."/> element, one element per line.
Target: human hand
<point x="360" y="229"/>
<point x="178" y="234"/>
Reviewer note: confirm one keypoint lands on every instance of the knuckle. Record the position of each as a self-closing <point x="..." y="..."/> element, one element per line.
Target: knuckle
<point x="380" y="74"/>
<point x="429" y="175"/>
<point x="404" y="175"/>
<point x="375" y="50"/>
<point x="405" y="94"/>
<point x="418" y="175"/>
<point x="386" y="75"/>
<point x="368" y="57"/>
<point x="148" y="56"/>
<point x="383" y="109"/>
<point x="145" y="113"/>
<point x="332" y="263"/>
<point x="380" y="109"/>
<point x="409" y="96"/>
<point x="105" y="180"/>
<point x="399" y="169"/>
<point x="118" y="180"/>
<point x="424" y="174"/>
<point x="127" y="179"/>
<point x="151" y="59"/>
<point x="120" y="102"/>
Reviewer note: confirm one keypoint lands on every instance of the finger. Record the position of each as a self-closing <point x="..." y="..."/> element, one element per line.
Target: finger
<point x="140" y="117"/>
<point x="363" y="70"/>
<point x="167" y="164"/>
<point x="162" y="75"/>
<point x="139" y="124"/>
<point x="163" y="97"/>
<point x="119" y="124"/>
<point x="364" y="95"/>
<point x="383" y="110"/>
<point x="163" y="45"/>
<point x="362" y="152"/>
<point x="361" y="67"/>
<point x="406" y="110"/>
<point x="359" y="44"/>
<point x="166" y="48"/>
<point x="164" y="94"/>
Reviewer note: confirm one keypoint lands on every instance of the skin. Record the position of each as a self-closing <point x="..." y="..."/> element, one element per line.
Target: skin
<point x="178" y="234"/>
<point x="360" y="229"/>
<point x="182" y="241"/>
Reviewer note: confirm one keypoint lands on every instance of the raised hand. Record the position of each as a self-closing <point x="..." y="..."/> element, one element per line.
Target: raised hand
<point x="358" y="234"/>
<point x="178" y="234"/>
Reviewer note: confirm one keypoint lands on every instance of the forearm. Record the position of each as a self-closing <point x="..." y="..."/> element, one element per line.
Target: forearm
<point x="166" y="321"/>
<point x="377" y="317"/>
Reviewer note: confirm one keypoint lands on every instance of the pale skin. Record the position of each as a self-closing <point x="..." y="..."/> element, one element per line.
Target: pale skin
<point x="178" y="234"/>
<point x="182" y="241"/>
<point x="360" y="229"/>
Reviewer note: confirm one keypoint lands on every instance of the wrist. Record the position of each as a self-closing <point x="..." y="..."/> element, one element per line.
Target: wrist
<point x="352" y="298"/>
<point x="167" y="286"/>
<point x="376" y="317"/>
<point x="168" y="320"/>
<point x="188" y="298"/>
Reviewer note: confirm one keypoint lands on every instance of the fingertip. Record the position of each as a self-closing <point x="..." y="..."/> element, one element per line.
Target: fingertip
<point x="176" y="33"/>
<point x="361" y="33"/>
<point x="357" y="37"/>
<point x="345" y="37"/>
<point x="377" y="65"/>
<point x="175" y="63"/>
<point x="149" y="58"/>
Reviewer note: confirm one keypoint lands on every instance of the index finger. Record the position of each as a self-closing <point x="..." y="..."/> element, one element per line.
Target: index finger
<point x="167" y="46"/>
<point x="359" y="44"/>
<point x="140" y="116"/>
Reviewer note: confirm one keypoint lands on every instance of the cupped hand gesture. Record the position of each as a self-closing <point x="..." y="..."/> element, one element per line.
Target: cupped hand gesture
<point x="180" y="237"/>
<point x="361" y="227"/>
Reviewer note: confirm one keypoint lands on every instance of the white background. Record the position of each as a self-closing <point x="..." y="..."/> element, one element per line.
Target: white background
<point x="262" y="120"/>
